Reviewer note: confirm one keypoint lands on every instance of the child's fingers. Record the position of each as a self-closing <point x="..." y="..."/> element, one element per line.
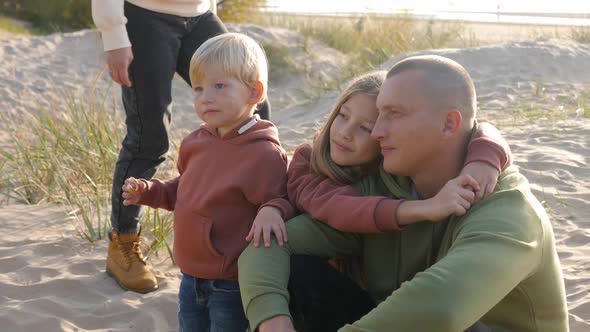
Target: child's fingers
<point x="464" y="203"/>
<point x="284" y="231"/>
<point x="250" y="233"/>
<point x="278" y="234"/>
<point x="490" y="187"/>
<point x="466" y="194"/>
<point x="460" y="210"/>
<point x="130" y="201"/>
<point x="486" y="190"/>
<point x="266" y="236"/>
<point x="133" y="185"/>
<point x="468" y="180"/>
<point x="127" y="194"/>
<point x="257" y="232"/>
<point x="480" y="194"/>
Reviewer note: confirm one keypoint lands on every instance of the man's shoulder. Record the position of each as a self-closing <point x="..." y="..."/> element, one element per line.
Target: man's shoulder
<point x="512" y="195"/>
<point x="512" y="212"/>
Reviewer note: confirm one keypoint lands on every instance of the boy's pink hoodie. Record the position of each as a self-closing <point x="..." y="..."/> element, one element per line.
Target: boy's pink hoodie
<point x="223" y="182"/>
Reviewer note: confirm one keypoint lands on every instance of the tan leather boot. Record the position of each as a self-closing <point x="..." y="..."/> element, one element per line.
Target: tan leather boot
<point x="126" y="264"/>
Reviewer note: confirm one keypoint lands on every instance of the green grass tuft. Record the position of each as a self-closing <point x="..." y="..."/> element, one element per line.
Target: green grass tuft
<point x="12" y="26"/>
<point x="581" y="34"/>
<point x="279" y="61"/>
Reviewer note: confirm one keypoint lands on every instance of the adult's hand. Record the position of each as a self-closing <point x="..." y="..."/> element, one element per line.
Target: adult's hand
<point x="118" y="62"/>
<point x="277" y="324"/>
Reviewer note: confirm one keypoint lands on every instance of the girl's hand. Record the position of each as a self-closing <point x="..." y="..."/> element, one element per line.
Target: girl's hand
<point x="455" y="198"/>
<point x="132" y="190"/>
<point x="485" y="174"/>
<point x="268" y="220"/>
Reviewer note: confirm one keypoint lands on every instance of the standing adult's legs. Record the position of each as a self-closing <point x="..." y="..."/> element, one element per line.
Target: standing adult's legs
<point x="155" y="40"/>
<point x="155" y="44"/>
<point x="198" y="30"/>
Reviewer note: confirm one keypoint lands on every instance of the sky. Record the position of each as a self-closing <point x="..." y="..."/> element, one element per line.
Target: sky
<point x="546" y="6"/>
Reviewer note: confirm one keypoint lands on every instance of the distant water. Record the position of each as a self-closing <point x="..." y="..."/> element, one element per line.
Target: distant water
<point x="579" y="19"/>
<point x="522" y="18"/>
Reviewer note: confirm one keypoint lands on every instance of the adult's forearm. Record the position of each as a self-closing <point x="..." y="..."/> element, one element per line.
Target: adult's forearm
<point x="457" y="291"/>
<point x="264" y="276"/>
<point x="264" y="272"/>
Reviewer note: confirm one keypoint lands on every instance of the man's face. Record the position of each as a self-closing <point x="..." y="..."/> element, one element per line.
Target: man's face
<point x="409" y="126"/>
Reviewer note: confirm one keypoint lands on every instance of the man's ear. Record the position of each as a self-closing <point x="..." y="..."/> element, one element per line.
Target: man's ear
<point x="453" y="121"/>
<point x="256" y="93"/>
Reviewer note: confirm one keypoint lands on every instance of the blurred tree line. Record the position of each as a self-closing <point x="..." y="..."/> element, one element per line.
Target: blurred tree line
<point x="68" y="15"/>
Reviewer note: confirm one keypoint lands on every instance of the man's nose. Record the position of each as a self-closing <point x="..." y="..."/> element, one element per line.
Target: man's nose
<point x="378" y="133"/>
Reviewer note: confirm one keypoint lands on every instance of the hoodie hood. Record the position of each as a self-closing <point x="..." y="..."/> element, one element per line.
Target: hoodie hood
<point x="399" y="186"/>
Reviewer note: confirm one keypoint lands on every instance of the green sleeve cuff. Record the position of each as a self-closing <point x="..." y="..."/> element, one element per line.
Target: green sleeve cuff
<point x="265" y="307"/>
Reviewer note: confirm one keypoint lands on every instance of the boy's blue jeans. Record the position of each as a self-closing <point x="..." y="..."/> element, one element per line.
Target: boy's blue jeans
<point x="210" y="306"/>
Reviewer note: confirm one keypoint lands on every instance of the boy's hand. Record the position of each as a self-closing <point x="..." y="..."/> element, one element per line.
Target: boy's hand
<point x="268" y="220"/>
<point x="453" y="199"/>
<point x="132" y="190"/>
<point x="485" y="175"/>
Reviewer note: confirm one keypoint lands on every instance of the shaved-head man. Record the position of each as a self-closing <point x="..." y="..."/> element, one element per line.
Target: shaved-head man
<point x="495" y="267"/>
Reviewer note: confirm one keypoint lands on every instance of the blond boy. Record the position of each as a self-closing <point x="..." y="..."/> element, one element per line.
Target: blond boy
<point x="230" y="168"/>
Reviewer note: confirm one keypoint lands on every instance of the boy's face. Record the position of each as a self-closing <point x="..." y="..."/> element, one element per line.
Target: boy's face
<point x="222" y="101"/>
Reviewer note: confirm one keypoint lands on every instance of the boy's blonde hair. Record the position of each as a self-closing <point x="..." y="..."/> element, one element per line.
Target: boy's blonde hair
<point x="238" y="55"/>
<point x="321" y="162"/>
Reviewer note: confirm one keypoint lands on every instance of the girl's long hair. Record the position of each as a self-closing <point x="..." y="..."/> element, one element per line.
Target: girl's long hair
<point x="321" y="162"/>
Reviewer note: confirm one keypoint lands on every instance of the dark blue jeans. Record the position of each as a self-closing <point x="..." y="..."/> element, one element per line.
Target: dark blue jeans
<point x="210" y="305"/>
<point x="162" y="44"/>
<point x="323" y="299"/>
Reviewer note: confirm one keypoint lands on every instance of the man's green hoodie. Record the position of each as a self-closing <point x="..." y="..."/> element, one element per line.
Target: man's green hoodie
<point x="497" y="264"/>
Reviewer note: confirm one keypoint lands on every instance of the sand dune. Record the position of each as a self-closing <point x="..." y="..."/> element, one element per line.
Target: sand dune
<point x="52" y="280"/>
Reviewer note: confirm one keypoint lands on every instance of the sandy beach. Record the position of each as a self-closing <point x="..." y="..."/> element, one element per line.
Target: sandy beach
<point x="51" y="279"/>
